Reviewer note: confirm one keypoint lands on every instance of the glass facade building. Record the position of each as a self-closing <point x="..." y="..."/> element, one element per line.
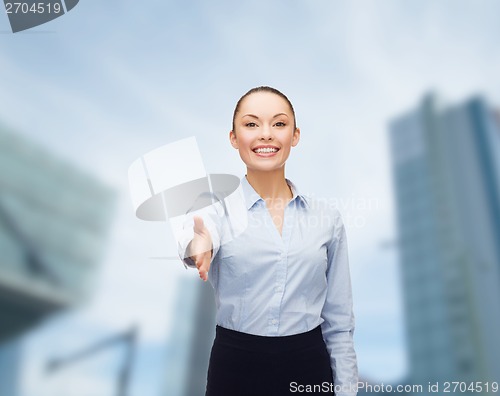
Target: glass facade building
<point x="446" y="172"/>
<point x="54" y="220"/>
<point x="192" y="336"/>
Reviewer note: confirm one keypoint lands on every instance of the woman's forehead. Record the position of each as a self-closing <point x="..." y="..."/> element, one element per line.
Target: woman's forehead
<point x="264" y="101"/>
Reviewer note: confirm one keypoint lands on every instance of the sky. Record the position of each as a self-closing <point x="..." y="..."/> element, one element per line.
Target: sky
<point x="113" y="80"/>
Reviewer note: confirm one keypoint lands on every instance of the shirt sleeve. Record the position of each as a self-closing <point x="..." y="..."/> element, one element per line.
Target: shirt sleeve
<point x="211" y="219"/>
<point x="339" y="322"/>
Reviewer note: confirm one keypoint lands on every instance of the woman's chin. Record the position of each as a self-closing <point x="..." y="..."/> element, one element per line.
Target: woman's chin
<point x="263" y="167"/>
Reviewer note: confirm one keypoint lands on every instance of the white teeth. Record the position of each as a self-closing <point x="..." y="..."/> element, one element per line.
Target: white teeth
<point x="266" y="150"/>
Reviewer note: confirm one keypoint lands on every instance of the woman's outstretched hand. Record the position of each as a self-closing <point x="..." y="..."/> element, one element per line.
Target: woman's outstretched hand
<point x="200" y="248"/>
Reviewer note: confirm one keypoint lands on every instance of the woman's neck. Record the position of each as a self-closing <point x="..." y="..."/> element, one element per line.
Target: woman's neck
<point x="270" y="185"/>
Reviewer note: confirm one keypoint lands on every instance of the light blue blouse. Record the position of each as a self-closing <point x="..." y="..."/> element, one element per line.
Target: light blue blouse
<point x="274" y="285"/>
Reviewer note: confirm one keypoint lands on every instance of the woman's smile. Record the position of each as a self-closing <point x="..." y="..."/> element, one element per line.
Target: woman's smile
<point x="265" y="151"/>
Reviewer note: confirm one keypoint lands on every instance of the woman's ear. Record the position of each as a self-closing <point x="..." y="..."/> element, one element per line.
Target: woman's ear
<point x="296" y="137"/>
<point x="233" y="140"/>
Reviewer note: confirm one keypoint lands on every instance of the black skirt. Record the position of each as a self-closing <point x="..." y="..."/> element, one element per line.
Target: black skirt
<point x="244" y="364"/>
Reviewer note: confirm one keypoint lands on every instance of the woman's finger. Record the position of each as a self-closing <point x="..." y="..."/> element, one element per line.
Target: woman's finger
<point x="203" y="269"/>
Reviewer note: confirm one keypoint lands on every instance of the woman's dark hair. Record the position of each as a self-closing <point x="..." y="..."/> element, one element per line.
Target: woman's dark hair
<point x="264" y="89"/>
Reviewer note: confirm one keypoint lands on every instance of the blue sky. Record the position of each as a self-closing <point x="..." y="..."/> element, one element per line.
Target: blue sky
<point x="112" y="80"/>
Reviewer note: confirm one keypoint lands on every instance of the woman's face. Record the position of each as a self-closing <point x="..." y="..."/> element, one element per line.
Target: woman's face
<point x="264" y="119"/>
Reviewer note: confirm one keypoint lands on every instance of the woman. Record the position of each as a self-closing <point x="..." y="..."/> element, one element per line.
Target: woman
<point x="283" y="292"/>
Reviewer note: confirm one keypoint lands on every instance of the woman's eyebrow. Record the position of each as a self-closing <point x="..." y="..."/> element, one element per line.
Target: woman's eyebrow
<point x="280" y="114"/>
<point x="254" y="116"/>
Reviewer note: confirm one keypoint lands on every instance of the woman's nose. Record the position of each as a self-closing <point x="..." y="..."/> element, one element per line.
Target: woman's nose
<point x="266" y="132"/>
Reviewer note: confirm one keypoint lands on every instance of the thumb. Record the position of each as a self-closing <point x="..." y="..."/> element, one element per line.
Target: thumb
<point x="198" y="224"/>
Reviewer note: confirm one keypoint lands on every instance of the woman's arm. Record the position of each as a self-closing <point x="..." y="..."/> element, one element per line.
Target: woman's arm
<point x="338" y="326"/>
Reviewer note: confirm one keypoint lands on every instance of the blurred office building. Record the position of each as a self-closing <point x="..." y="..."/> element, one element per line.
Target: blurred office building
<point x="446" y="172"/>
<point x="53" y="223"/>
<point x="191" y="339"/>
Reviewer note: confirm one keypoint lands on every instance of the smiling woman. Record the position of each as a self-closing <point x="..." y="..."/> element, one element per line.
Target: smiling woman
<point x="264" y="127"/>
<point x="282" y="287"/>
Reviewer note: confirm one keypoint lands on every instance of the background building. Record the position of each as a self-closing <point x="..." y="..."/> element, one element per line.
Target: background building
<point x="53" y="222"/>
<point x="446" y="167"/>
<point x="191" y="339"/>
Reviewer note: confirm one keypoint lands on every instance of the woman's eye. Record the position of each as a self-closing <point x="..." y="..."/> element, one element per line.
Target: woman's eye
<point x="250" y="124"/>
<point x="280" y="124"/>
